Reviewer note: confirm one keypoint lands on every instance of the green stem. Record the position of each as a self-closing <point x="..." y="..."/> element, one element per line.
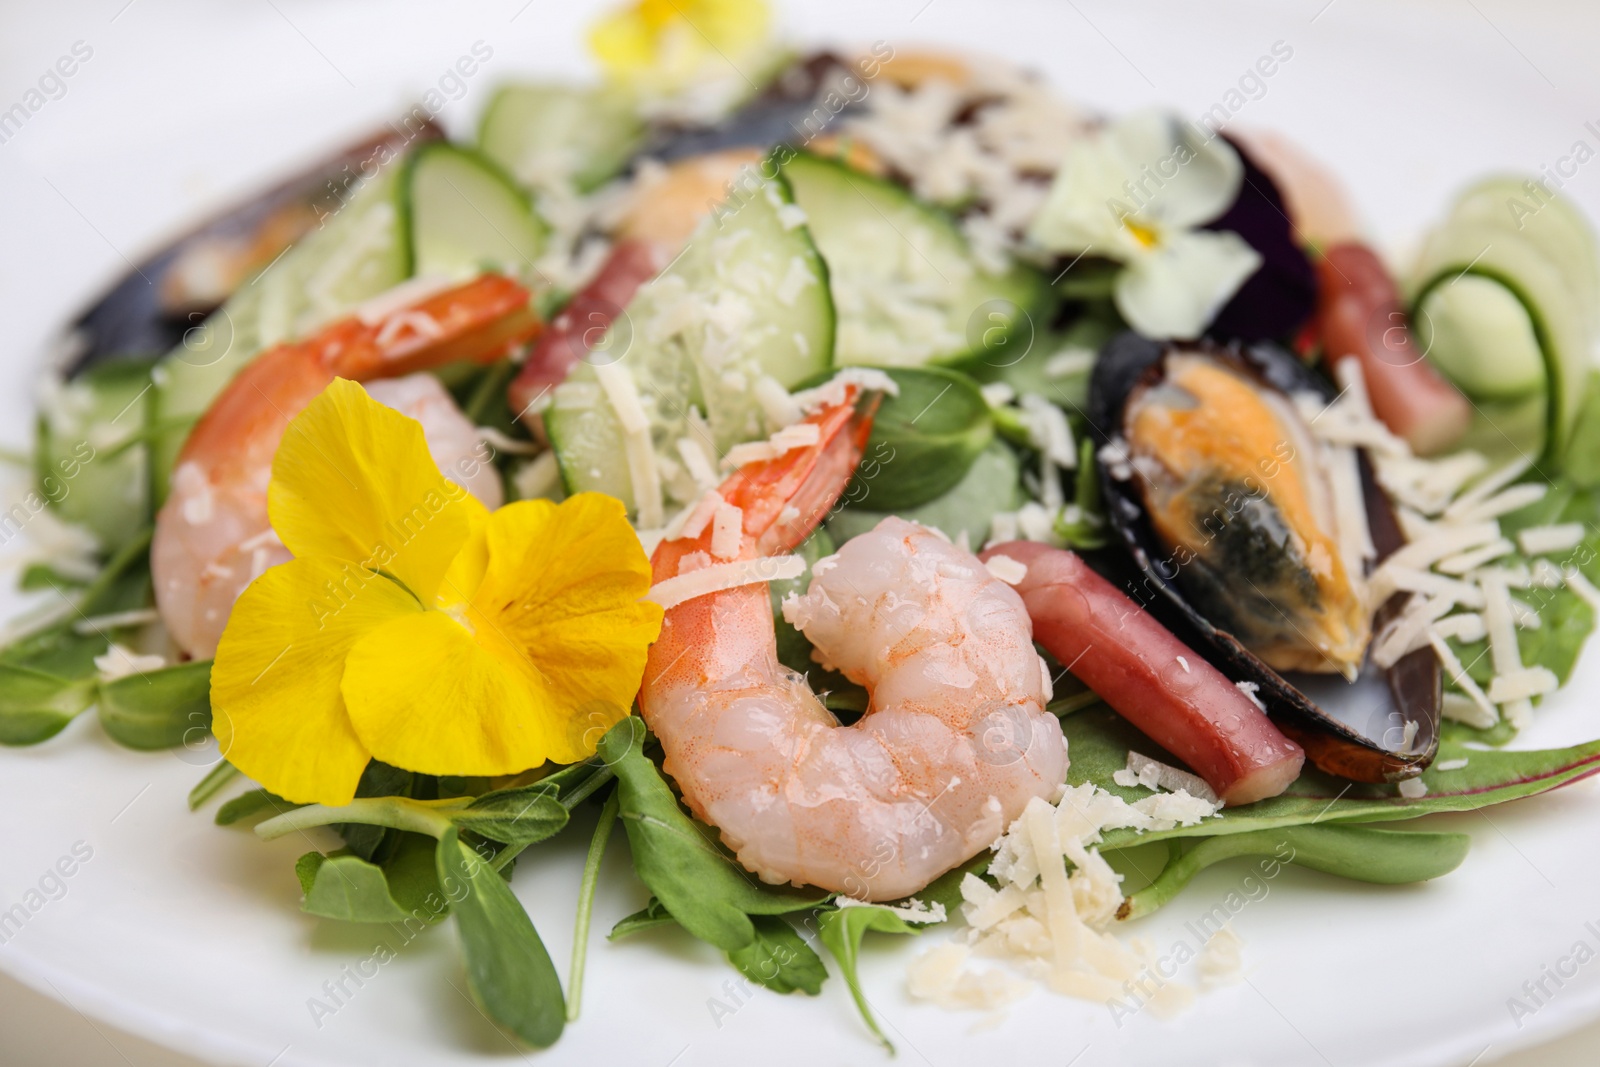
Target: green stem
<point x="587" y="787"/>
<point x="1360" y="853"/>
<point x="591" y="879"/>
<point x="399" y="813"/>
<point x="1009" y="423"/>
<point x="579" y="794"/>
<point x="219" y="776"/>
<point x="493" y="381"/>
<point x="1076" y="702"/>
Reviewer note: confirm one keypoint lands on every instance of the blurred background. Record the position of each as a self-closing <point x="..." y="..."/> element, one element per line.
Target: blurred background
<point x="177" y="108"/>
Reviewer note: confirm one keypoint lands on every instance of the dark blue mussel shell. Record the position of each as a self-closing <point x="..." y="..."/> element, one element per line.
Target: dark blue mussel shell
<point x="1353" y="730"/>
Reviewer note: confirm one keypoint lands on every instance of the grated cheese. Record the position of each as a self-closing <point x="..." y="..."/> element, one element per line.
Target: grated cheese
<point x="643" y="475"/>
<point x="1008" y="570"/>
<point x="1558" y="537"/>
<point x="1450" y="765"/>
<point x="1153" y="774"/>
<point x="1413" y="789"/>
<point x="1487" y="486"/>
<point x="1467" y="562"/>
<point x="1520" y="685"/>
<point x="720" y="577"/>
<point x="119" y="662"/>
<point x="1069" y="362"/>
<point x="1478" y="711"/>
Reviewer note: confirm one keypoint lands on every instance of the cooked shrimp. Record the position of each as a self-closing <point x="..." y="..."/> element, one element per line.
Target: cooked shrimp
<point x="212" y="536"/>
<point x="954" y="745"/>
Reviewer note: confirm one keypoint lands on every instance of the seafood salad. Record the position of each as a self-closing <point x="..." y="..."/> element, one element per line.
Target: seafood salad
<point x="891" y="492"/>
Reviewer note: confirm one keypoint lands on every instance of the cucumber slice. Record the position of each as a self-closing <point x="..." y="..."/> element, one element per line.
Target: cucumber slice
<point x="747" y="300"/>
<point x="1559" y="324"/>
<point x="1479" y="334"/>
<point x="550" y="136"/>
<point x="1552" y="222"/>
<point x="358" y="252"/>
<point x="464" y="215"/>
<point x="91" y="463"/>
<point x="908" y="289"/>
<point x="992" y="484"/>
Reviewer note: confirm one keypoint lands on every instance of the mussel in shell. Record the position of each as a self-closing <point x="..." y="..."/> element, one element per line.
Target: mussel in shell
<point x="1228" y="473"/>
<point x="1220" y="493"/>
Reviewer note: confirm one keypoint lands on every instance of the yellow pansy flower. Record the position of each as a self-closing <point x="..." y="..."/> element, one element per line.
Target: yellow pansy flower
<point x="414" y="626"/>
<point x="667" y="45"/>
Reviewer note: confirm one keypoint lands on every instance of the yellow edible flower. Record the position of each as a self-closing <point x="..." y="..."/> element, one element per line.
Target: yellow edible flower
<point x="415" y="627"/>
<point x="667" y="45"/>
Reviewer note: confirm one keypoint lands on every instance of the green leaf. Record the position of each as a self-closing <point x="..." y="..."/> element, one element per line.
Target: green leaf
<point x="1361" y="853"/>
<point x="38" y="576"/>
<point x="248" y="805"/>
<point x="520" y="816"/>
<point x="1100" y="740"/>
<point x="342" y="886"/>
<point x="842" y="929"/>
<point x="993" y="483"/>
<point x="35" y="706"/>
<point x="652" y="916"/>
<point x="159" y="709"/>
<point x="215" y="779"/>
<point x="703" y="887"/>
<point x="923" y="440"/>
<point x="508" y="970"/>
<point x="780" y="959"/>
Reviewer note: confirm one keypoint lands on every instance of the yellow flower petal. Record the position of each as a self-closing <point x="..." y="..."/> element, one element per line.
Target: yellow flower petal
<point x="546" y="659"/>
<point x="562" y="591"/>
<point x="276" y="707"/>
<point x="666" y="45"/>
<point x="425" y="696"/>
<point x="354" y="480"/>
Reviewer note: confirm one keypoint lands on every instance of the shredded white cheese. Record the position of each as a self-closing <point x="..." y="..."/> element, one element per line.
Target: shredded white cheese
<point x="727" y="531"/>
<point x="1413" y="789"/>
<point x="1450" y="765"/>
<point x="720" y="577"/>
<point x="1522" y="684"/>
<point x="1008" y="570"/>
<point x="1543" y="540"/>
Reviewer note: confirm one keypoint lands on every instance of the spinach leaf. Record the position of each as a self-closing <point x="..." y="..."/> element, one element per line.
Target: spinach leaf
<point x="1100" y="740"/>
<point x="1361" y="853"/>
<point x="347" y="887"/>
<point x="703" y="887"/>
<point x="35" y="706"/>
<point x="508" y="970"/>
<point x="923" y="439"/>
<point x="779" y="958"/>
<point x="159" y="709"/>
<point x="992" y="484"/>
<point x="841" y="930"/>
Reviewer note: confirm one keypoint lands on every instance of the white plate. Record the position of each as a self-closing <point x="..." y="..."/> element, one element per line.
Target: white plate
<point x="190" y="935"/>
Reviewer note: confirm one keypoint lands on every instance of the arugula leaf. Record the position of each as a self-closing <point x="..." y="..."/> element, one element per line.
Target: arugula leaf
<point x="347" y="887"/>
<point x="159" y="709"/>
<point x="248" y="805"/>
<point x="35" y="706"/>
<point x="508" y="970"/>
<point x="522" y="816"/>
<point x="652" y="916"/>
<point x="703" y="887"/>
<point x="1361" y="853"/>
<point x="1100" y="740"/>
<point x="779" y="958"/>
<point x="841" y="929"/>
